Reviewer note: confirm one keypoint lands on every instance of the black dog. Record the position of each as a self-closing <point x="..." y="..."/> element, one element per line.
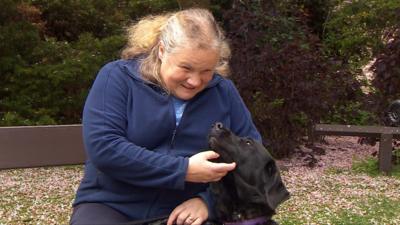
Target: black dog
<point x="249" y="194"/>
<point x="254" y="189"/>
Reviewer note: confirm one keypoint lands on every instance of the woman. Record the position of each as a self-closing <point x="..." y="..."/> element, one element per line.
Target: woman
<point x="146" y="120"/>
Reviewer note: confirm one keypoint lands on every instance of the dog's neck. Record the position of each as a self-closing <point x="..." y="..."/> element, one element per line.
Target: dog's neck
<point x="256" y="221"/>
<point x="238" y="211"/>
<point x="248" y="212"/>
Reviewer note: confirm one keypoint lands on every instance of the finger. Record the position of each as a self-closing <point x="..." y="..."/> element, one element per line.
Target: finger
<point x="181" y="219"/>
<point x="198" y="221"/>
<point x="189" y="220"/>
<point x="171" y="218"/>
<point x="219" y="175"/>
<point x="210" y="155"/>
<point x="223" y="167"/>
<point x="216" y="179"/>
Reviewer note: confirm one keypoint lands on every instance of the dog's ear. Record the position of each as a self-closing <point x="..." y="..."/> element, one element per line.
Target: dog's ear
<point x="248" y="193"/>
<point x="266" y="143"/>
<point x="275" y="191"/>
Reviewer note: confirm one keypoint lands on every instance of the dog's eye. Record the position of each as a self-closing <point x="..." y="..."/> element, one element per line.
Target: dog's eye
<point x="248" y="142"/>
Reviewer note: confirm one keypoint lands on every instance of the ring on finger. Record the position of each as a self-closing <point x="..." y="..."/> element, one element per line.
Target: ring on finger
<point x="190" y="220"/>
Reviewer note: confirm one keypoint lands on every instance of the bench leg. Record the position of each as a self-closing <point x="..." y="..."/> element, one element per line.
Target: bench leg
<point x="385" y="153"/>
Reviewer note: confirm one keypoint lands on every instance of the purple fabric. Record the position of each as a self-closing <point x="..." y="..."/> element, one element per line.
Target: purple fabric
<point x="258" y="220"/>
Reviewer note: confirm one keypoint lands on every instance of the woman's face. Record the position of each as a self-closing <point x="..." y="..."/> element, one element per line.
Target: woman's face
<point x="186" y="72"/>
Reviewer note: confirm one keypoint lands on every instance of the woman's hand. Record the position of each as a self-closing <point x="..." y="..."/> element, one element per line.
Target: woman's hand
<point x="193" y="211"/>
<point x="200" y="170"/>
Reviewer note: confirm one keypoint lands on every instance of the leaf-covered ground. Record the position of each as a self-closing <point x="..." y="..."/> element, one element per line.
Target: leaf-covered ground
<point x="329" y="193"/>
<point x="38" y="195"/>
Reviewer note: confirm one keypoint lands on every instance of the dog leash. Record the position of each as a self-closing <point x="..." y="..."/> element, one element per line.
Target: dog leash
<point x="162" y="220"/>
<point x="255" y="221"/>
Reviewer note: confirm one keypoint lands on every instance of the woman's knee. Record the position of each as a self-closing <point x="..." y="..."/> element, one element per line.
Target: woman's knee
<point x="96" y="213"/>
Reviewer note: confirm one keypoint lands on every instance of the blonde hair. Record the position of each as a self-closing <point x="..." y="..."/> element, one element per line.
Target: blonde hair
<point x="192" y="27"/>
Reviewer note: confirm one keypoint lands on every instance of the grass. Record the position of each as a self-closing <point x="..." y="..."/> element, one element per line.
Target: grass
<point x="370" y="166"/>
<point x="370" y="210"/>
<point x="334" y="196"/>
<point x="360" y="195"/>
<point x="374" y="211"/>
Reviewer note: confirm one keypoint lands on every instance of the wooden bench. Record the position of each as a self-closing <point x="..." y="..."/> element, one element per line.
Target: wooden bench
<point x="35" y="146"/>
<point x="385" y="135"/>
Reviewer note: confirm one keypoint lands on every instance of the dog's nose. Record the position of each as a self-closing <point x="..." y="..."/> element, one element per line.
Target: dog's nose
<point x="218" y="125"/>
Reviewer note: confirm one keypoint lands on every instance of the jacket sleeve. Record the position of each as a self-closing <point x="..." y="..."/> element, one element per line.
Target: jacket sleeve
<point x="208" y="198"/>
<point x="241" y="121"/>
<point x="108" y="149"/>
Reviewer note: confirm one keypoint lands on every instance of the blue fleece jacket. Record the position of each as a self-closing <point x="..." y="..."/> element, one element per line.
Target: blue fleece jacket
<point x="137" y="157"/>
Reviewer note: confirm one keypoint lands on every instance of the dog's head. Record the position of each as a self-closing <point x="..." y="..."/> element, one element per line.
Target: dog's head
<point x="256" y="178"/>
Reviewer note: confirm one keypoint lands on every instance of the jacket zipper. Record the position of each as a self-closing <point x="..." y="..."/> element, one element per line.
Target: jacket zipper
<point x="176" y="127"/>
<point x="173" y="138"/>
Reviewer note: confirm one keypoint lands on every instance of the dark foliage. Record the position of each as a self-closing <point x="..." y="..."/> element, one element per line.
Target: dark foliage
<point x="387" y="75"/>
<point x="313" y="12"/>
<point x="66" y="20"/>
<point x="286" y="82"/>
<point x="50" y="52"/>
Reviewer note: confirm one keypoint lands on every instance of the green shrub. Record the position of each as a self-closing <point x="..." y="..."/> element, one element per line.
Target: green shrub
<point x="50" y="52"/>
<point x="356" y="32"/>
<point x="56" y="85"/>
<point x="355" y="29"/>
<point x="350" y="112"/>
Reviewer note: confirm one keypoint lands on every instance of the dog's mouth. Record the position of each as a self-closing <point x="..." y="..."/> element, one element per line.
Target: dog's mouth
<point x="214" y="144"/>
<point x="216" y="136"/>
<point x="212" y="141"/>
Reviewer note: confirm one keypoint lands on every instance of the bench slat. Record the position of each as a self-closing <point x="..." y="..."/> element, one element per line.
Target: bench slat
<point x="353" y="130"/>
<point x="33" y="146"/>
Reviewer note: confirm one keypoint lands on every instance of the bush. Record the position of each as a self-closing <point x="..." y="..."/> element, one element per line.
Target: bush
<point x="56" y="84"/>
<point x="355" y="29"/>
<point x="356" y="33"/>
<point x="387" y="78"/>
<point x="351" y="112"/>
<point x="282" y="73"/>
<point x="289" y="77"/>
<point x="66" y="20"/>
<point x="50" y="52"/>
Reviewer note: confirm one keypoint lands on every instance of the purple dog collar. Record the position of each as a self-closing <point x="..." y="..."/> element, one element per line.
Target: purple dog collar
<point x="255" y="221"/>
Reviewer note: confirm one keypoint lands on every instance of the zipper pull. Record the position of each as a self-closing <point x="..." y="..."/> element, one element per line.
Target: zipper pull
<point x="173" y="139"/>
